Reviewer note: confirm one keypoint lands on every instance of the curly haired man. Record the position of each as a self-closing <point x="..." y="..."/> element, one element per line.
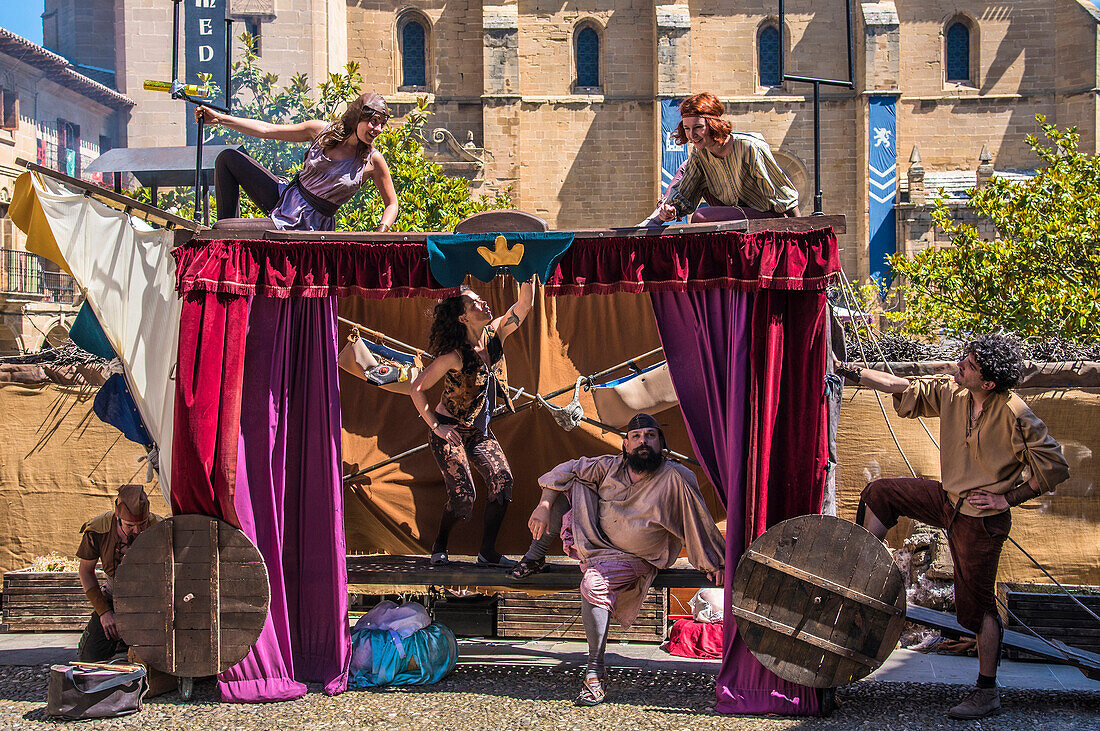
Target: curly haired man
<point x="988" y="437"/>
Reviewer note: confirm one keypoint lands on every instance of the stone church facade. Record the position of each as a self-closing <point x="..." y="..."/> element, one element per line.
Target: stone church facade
<point x="562" y="101"/>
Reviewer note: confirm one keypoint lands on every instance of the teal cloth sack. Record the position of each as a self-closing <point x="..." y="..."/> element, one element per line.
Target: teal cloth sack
<point x="381" y="657"/>
<point x="452" y="256"/>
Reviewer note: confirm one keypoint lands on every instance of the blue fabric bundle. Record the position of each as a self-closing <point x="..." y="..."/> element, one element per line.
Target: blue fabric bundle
<point x="115" y="406"/>
<point x="381" y="657"/>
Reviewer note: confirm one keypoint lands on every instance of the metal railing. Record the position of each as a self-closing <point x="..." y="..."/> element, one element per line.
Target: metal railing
<point x="27" y="274"/>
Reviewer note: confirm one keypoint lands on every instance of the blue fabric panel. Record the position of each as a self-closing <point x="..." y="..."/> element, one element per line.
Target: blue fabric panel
<point x="433" y="648"/>
<point x="453" y="256"/>
<point x="390" y="353"/>
<point x="882" y="182"/>
<point x="115" y="406"/>
<point x="673" y="155"/>
<point x="624" y="379"/>
<point x="88" y="335"/>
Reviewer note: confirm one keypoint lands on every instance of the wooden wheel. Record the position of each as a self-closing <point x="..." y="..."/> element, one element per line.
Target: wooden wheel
<point x="191" y="596"/>
<point x="818" y="601"/>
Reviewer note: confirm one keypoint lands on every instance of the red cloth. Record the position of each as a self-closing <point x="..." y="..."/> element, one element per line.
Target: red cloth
<point x="209" y="374"/>
<point x="788" y="438"/>
<point x="679" y="263"/>
<point x="689" y="638"/>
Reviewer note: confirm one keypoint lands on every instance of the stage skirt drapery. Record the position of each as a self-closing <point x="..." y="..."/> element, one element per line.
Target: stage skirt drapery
<point x="739" y="316"/>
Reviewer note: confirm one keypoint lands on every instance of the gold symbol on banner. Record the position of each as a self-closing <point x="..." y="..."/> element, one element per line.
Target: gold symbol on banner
<point x="501" y="255"/>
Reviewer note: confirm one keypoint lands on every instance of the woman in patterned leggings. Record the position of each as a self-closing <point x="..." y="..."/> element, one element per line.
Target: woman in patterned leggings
<point x="467" y="343"/>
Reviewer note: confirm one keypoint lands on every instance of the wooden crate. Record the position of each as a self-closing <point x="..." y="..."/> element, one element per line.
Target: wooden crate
<point x="558" y="617"/>
<point x="1048" y="611"/>
<point x="44" y="601"/>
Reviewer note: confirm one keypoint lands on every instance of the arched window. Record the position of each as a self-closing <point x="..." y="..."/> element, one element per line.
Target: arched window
<point x="414" y="54"/>
<point x="767" y="50"/>
<point x="957" y="54"/>
<point x="588" y="57"/>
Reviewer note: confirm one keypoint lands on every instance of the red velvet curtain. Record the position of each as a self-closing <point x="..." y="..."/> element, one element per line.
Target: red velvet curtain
<point x="592" y="265"/>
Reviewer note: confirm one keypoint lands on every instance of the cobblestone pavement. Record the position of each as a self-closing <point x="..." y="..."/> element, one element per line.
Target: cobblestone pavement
<point x="478" y="697"/>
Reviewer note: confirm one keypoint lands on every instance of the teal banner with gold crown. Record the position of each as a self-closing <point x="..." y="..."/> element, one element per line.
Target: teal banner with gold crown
<point x="485" y="255"/>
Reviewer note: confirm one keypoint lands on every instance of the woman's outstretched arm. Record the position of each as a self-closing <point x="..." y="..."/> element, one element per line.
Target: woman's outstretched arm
<point x="510" y="321"/>
<point x="299" y="132"/>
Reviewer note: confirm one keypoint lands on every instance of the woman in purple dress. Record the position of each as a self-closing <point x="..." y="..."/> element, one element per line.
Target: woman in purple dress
<point x="340" y="157"/>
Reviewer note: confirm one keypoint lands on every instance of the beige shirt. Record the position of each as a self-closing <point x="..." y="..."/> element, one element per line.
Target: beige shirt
<point x="652" y="519"/>
<point x="748" y="175"/>
<point x="988" y="453"/>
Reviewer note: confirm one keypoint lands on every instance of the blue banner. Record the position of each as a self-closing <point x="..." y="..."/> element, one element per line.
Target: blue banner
<point x="672" y="154"/>
<point x="882" y="184"/>
<point x="203" y="50"/>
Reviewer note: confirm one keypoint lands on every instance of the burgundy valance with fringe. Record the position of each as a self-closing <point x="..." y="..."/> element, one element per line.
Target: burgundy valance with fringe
<point x="777" y="260"/>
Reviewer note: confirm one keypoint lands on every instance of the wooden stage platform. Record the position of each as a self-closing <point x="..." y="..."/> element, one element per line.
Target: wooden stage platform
<point x="381" y="574"/>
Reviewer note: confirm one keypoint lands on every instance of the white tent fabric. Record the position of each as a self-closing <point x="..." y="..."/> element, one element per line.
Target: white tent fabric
<point x="129" y="279"/>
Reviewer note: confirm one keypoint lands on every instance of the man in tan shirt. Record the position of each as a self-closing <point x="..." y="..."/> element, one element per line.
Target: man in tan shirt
<point x="630" y="515"/>
<point x="988" y="437"/>
<point x="105" y="540"/>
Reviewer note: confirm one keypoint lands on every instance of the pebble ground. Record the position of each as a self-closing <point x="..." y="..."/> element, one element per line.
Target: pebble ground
<point x="483" y="697"/>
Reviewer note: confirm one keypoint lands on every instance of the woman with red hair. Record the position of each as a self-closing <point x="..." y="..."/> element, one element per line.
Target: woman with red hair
<point x="733" y="171"/>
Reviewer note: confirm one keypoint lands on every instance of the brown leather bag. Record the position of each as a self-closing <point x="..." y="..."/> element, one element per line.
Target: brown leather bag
<point x="77" y="690"/>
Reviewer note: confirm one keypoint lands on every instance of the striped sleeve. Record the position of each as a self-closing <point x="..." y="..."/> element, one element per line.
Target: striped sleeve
<point x="764" y="185"/>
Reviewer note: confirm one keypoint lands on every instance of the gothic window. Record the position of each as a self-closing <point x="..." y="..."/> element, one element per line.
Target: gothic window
<point x="767" y="49"/>
<point x="588" y="57"/>
<point x="958" y="53"/>
<point x="414" y="54"/>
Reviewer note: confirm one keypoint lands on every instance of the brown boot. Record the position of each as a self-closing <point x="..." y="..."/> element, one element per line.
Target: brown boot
<point x="978" y="703"/>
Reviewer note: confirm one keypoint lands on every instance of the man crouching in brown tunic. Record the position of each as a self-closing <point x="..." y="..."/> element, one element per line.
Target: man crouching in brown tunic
<point x="988" y="436"/>
<point x="105" y="539"/>
<point x="631" y="514"/>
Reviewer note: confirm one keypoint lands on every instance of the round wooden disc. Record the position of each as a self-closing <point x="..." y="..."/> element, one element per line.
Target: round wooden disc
<point x="818" y="601"/>
<point x="191" y="596"/>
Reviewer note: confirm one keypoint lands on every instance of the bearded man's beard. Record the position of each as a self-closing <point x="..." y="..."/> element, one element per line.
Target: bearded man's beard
<point x="643" y="459"/>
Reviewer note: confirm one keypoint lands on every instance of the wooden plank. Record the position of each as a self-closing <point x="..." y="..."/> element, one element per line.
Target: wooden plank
<point x="215" y="598"/>
<point x="824" y="584"/>
<point x="792" y="632"/>
<point x="169" y="621"/>
<point x="115" y="200"/>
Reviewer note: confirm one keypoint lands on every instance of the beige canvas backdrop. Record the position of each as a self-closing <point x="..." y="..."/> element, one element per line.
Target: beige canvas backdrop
<point x="59" y="466"/>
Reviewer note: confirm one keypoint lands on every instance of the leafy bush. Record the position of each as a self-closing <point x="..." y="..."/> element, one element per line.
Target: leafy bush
<point x="1039" y="278"/>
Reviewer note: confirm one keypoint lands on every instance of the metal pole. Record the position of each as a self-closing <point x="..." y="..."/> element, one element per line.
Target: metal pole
<point x="851" y="48"/>
<point x="781" y="54"/>
<point x="176" y="40"/>
<point x="228" y="55"/>
<point x="198" y="165"/>
<point x="817" y="149"/>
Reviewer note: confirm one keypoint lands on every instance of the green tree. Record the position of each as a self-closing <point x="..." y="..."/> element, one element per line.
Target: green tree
<point x="429" y="199"/>
<point x="1039" y="277"/>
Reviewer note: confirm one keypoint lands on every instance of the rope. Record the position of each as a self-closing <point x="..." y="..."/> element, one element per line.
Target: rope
<point x="874" y="341"/>
<point x="878" y="396"/>
<point x="1038" y="636"/>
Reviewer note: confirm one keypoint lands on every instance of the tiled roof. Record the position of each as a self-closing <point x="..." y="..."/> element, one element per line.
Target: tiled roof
<point x="58" y="69"/>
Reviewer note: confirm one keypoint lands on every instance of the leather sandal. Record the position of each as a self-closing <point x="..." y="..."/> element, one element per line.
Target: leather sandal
<point x="528" y="567"/>
<point x="592" y="692"/>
